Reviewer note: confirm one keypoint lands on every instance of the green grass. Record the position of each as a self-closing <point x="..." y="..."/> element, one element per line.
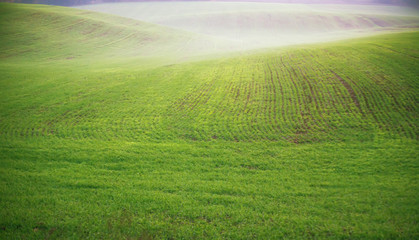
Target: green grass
<point x="102" y="189"/>
<point x="316" y="141"/>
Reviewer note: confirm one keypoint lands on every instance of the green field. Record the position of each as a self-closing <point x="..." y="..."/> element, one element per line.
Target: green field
<point x="112" y="128"/>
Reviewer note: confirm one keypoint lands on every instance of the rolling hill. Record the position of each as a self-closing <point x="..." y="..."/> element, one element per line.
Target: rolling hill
<point x="106" y="131"/>
<point x="70" y="34"/>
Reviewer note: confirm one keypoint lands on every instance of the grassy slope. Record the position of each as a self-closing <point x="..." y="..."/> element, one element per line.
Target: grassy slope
<point x="207" y="149"/>
<point x="66" y="34"/>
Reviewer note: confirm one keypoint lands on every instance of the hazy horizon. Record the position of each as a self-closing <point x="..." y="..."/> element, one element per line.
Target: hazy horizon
<point x="251" y="25"/>
<point x="85" y="2"/>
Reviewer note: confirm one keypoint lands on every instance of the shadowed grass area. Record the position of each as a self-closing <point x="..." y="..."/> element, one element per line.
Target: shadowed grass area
<point x="316" y="141"/>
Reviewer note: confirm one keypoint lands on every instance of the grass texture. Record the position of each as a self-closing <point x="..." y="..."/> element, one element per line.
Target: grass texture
<point x="108" y="130"/>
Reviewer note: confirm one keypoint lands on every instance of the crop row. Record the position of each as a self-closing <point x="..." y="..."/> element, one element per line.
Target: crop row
<point x="299" y="96"/>
<point x="294" y="95"/>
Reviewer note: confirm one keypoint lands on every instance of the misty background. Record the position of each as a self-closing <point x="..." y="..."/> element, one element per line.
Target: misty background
<point x="414" y="3"/>
<point x="241" y="25"/>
